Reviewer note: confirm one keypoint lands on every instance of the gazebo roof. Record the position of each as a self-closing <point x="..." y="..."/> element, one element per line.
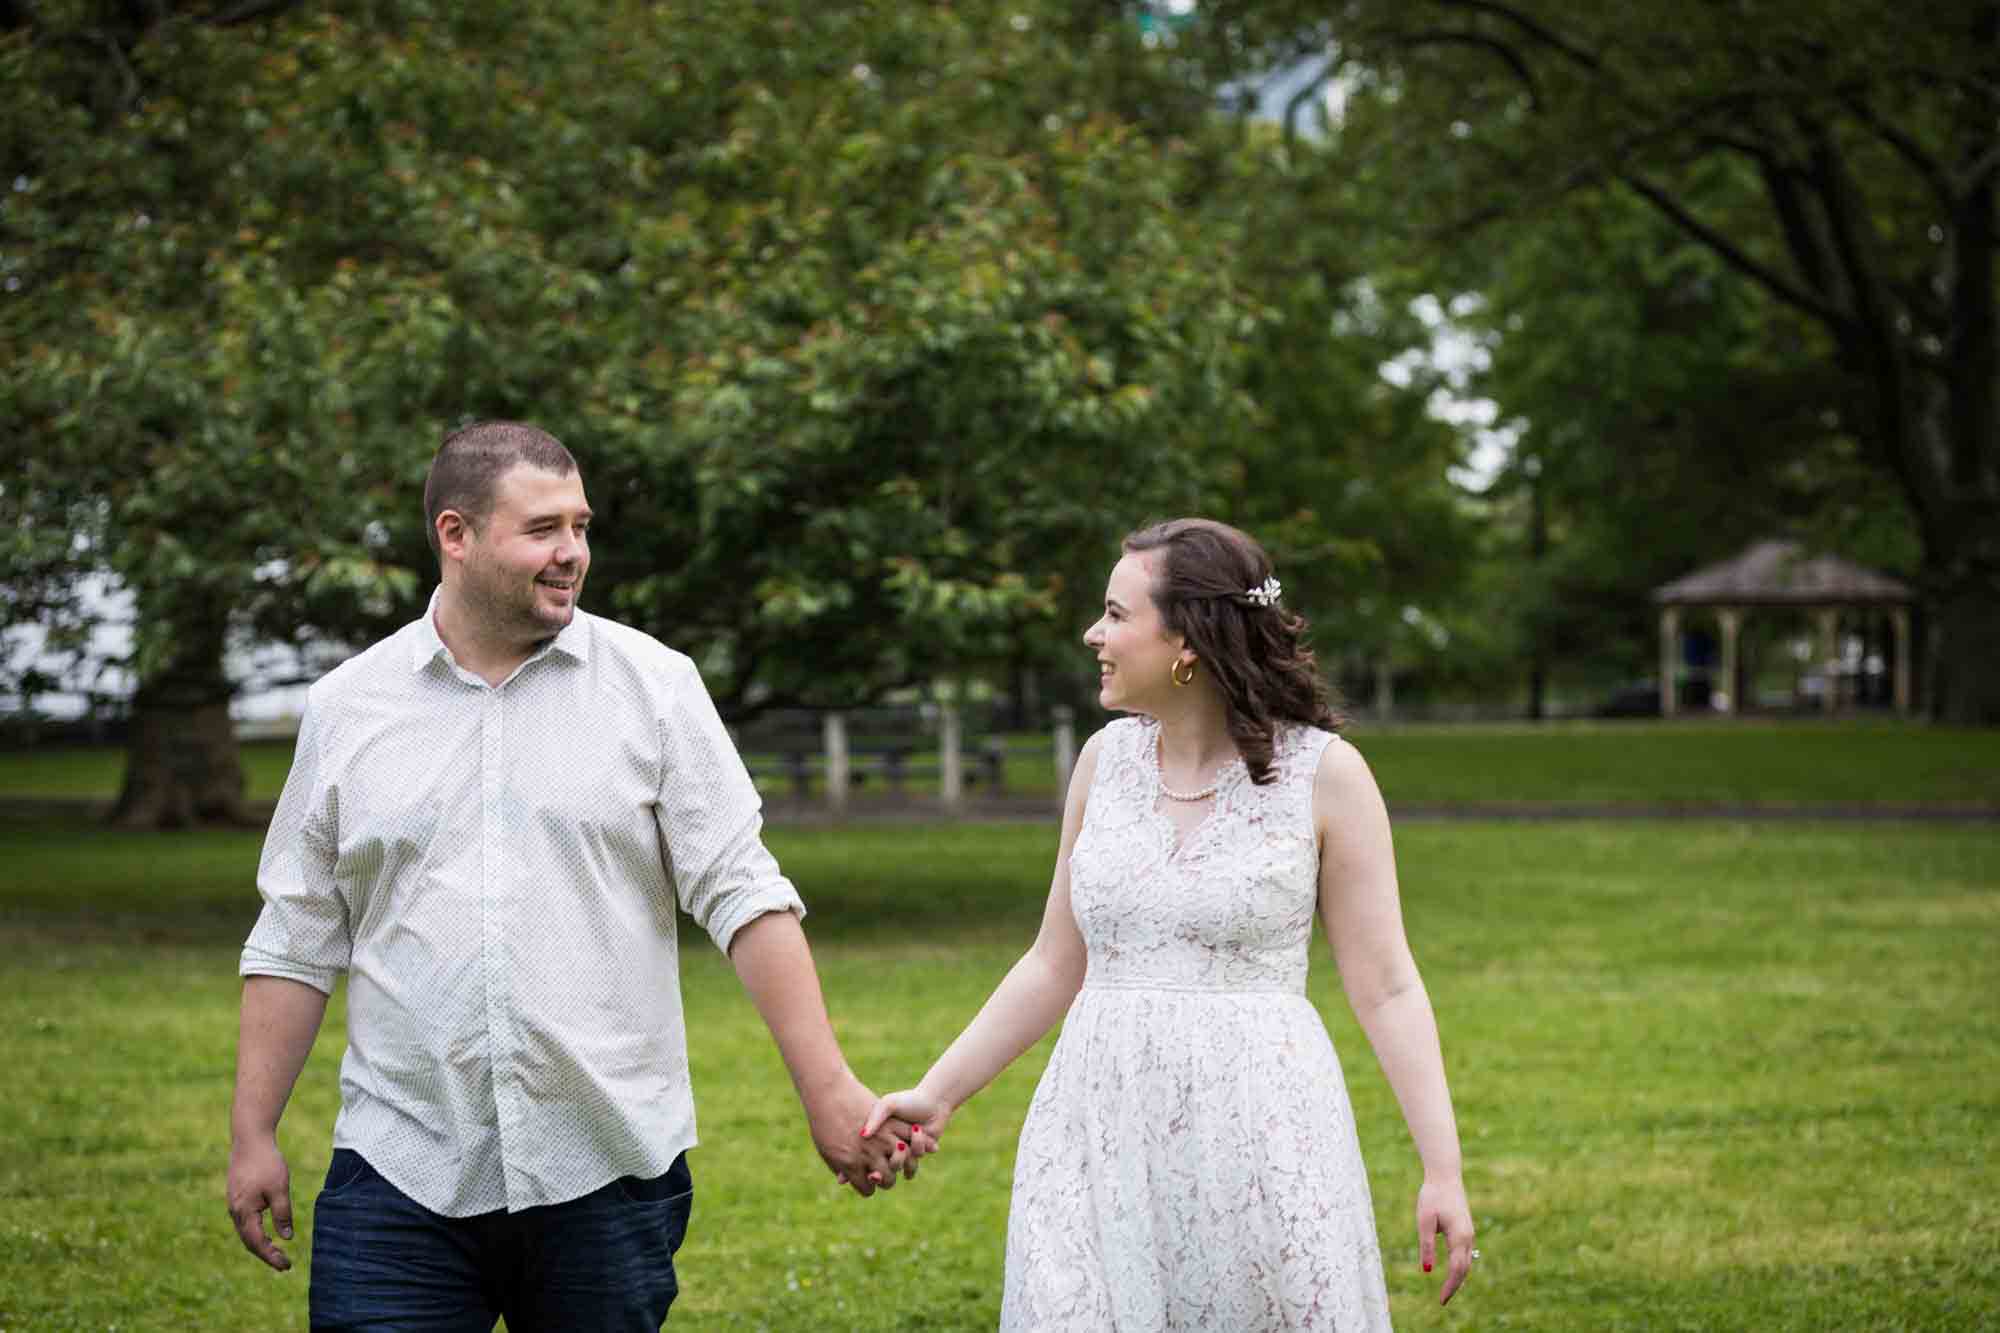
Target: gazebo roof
<point x="1781" y="573"/>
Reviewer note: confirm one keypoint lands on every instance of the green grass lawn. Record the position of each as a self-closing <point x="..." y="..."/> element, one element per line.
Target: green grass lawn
<point x="1634" y="763"/>
<point x="94" y="771"/>
<point x="1710" y="1075"/>
<point x="1687" y="763"/>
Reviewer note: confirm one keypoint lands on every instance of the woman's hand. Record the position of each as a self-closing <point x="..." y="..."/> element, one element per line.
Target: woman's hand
<point x="927" y="1115"/>
<point x="909" y="1136"/>
<point x="1441" y="1206"/>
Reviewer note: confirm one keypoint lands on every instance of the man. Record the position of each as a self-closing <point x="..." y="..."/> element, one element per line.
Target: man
<point x="490" y="819"/>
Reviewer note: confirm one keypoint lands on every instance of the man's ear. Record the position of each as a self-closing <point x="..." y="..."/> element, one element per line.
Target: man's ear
<point x="453" y="531"/>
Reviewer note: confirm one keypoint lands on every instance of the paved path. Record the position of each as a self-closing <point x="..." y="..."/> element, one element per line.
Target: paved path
<point x="1043" y="809"/>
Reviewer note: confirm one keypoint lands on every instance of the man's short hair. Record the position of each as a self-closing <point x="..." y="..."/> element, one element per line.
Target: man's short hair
<point x="469" y="464"/>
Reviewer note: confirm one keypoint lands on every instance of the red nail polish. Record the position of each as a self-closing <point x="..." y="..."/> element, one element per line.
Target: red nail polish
<point x="1427" y="1268"/>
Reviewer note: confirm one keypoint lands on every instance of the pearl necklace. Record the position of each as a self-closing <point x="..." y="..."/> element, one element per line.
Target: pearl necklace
<point x="1188" y="796"/>
<point x="1160" y="774"/>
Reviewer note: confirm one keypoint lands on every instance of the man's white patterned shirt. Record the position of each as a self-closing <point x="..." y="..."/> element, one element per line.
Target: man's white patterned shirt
<point x="496" y="870"/>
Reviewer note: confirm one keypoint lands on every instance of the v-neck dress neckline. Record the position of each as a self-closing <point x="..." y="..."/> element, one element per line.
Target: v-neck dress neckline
<point x="1178" y="840"/>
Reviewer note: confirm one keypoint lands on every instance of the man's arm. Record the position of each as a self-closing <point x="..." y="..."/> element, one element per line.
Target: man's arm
<point x="279" y="1021"/>
<point x="775" y="964"/>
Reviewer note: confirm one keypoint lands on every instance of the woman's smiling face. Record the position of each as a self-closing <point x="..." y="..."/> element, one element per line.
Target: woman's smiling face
<point x="1134" y="651"/>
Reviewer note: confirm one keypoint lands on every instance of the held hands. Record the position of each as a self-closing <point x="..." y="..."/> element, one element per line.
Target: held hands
<point x="860" y="1156"/>
<point x="913" y="1114"/>
<point x="259" y="1179"/>
<point x="925" y="1113"/>
<point x="1442" y="1206"/>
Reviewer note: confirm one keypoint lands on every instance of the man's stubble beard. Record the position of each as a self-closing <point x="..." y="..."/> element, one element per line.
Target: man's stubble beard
<point x="509" y="615"/>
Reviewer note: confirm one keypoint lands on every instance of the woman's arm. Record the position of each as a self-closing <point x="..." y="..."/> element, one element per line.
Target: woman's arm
<point x="1362" y="913"/>
<point x="1035" y="993"/>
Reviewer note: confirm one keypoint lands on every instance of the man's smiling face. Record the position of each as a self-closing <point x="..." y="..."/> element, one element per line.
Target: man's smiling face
<point x="525" y="565"/>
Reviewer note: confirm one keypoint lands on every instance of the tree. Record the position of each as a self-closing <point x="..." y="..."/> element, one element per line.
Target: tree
<point x="1345" y="474"/>
<point x="867" y="323"/>
<point x="1865" y="130"/>
<point x="932" y="374"/>
<point x="190" y="417"/>
<point x="1665" y="416"/>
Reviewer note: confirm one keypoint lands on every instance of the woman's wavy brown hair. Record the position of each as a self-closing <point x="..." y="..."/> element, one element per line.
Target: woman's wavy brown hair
<point x="1257" y="654"/>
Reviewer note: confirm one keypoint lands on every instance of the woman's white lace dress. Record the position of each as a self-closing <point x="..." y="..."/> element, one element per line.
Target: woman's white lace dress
<point x="1189" y="1160"/>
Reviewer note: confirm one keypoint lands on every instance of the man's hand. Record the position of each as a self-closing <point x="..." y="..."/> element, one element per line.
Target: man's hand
<point x="259" y="1179"/>
<point x="868" y="1162"/>
<point x="776" y="967"/>
<point x="280" y="1018"/>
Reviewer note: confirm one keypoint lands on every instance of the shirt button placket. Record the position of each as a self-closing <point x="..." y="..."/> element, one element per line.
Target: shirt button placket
<point x="493" y="925"/>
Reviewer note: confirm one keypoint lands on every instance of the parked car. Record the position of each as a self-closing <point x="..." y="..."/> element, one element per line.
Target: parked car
<point x="1641" y="698"/>
<point x="1637" y="698"/>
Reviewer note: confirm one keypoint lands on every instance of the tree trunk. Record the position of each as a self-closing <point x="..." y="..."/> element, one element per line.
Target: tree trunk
<point x="1026" y="713"/>
<point x="1538" y="551"/>
<point x="182" y="762"/>
<point x="1965" y="638"/>
<point x="1963" y="536"/>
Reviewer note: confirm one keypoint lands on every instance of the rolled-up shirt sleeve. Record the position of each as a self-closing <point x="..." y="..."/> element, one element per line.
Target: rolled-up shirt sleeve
<point x="302" y="932"/>
<point x="711" y="819"/>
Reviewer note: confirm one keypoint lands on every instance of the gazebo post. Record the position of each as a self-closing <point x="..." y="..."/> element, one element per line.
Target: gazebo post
<point x="1900" y="617"/>
<point x="1829" y="642"/>
<point x="1732" y="620"/>
<point x="1670" y="651"/>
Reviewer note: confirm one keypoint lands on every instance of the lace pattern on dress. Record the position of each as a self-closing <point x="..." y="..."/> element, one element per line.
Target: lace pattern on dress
<point x="1189" y="1160"/>
<point x="1230" y="901"/>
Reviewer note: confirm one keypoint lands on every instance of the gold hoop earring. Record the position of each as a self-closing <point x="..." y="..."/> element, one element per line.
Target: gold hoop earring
<point x="1175" y="672"/>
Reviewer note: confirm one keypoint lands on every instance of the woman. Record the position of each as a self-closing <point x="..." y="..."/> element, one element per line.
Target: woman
<point x="1189" y="1160"/>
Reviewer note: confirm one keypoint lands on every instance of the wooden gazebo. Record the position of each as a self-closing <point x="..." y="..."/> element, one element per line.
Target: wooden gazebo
<point x="1781" y="574"/>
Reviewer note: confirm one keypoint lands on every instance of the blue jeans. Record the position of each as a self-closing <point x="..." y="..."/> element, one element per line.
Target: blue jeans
<point x="383" y="1263"/>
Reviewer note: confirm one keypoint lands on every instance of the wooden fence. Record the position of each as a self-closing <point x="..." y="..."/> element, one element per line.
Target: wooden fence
<point x="831" y="766"/>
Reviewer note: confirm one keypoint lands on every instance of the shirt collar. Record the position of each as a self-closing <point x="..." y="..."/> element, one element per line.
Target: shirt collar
<point x="426" y="646"/>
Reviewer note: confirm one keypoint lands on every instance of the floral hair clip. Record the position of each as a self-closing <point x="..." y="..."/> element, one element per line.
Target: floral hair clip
<point x="1265" y="593"/>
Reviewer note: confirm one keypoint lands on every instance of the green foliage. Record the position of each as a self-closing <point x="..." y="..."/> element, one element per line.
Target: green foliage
<point x="892" y="470"/>
<point x="1666" y="419"/>
<point x="870" y="326"/>
<point x="1346" y="475"/>
<point x="1835" y="159"/>
<point x="215" y="394"/>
